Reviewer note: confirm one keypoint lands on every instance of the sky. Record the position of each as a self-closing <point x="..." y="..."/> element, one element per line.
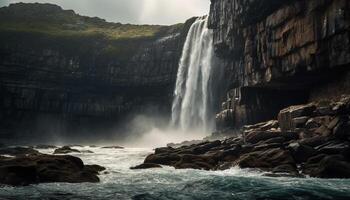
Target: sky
<point x="164" y="12"/>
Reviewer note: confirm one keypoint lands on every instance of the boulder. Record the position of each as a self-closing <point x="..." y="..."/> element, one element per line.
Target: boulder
<point x="257" y="136"/>
<point x="287" y="116"/>
<point x="96" y="169"/>
<point x="267" y="159"/>
<point x="66" y="150"/>
<point x="40" y="168"/>
<point x="264" y="126"/>
<point x="301" y="153"/>
<point x="323" y="131"/>
<point x="163" y="159"/>
<point x="286" y="169"/>
<point x="314" y="141"/>
<point x="322" y="166"/>
<point x="146" y="166"/>
<point x="342" y="129"/>
<point x="316" y="122"/>
<point x="196" y="162"/>
<point x="333" y="147"/>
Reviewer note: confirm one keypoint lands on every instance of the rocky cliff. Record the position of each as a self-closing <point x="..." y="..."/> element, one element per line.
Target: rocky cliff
<point x="65" y="73"/>
<point x="280" y="53"/>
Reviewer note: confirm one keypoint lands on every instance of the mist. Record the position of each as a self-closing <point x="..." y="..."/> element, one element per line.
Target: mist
<point x="163" y="12"/>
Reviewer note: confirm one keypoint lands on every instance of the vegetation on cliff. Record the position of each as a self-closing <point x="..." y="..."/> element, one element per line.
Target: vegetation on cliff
<point x="48" y="22"/>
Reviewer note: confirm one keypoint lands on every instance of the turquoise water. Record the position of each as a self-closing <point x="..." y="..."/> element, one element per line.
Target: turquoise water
<point x="168" y="183"/>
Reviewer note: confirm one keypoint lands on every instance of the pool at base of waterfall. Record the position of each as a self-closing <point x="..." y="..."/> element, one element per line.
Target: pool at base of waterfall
<point x="119" y="182"/>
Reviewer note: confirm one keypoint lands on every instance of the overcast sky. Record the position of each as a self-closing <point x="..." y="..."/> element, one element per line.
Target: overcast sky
<point x="132" y="11"/>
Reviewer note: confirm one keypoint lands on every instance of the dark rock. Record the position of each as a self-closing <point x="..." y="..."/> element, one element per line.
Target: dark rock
<point x="301" y="153"/>
<point x="334" y="166"/>
<point x="195" y="162"/>
<point x="314" y="141"/>
<point x="185" y="143"/>
<point x="287" y="168"/>
<point x="66" y="150"/>
<point x="323" y="131"/>
<point x="273" y="140"/>
<point x="146" y="166"/>
<point x="201" y="149"/>
<point x="42" y="168"/>
<point x="45" y="146"/>
<point x="86" y="151"/>
<point x="112" y="147"/>
<point x="316" y="122"/>
<point x="268" y="159"/>
<point x="95" y="169"/>
<point x="264" y="126"/>
<point x="163" y="150"/>
<point x="163" y="159"/>
<point x="291" y="117"/>
<point x="342" y="129"/>
<point x="257" y="136"/>
<point x="333" y="147"/>
<point x="16" y="151"/>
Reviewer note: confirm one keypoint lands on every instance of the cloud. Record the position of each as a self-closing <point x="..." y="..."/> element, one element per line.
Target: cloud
<point x="133" y="11"/>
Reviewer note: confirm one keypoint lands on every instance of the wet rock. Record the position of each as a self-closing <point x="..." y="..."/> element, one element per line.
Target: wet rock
<point x="185" y="143"/>
<point x="163" y="159"/>
<point x="112" y="147"/>
<point x="163" y="150"/>
<point x="16" y="151"/>
<point x="195" y="162"/>
<point x="33" y="169"/>
<point x="301" y="153"/>
<point x="322" y="166"/>
<point x="268" y="159"/>
<point x="96" y="169"/>
<point x="66" y="150"/>
<point x="201" y="149"/>
<point x="257" y="136"/>
<point x="342" y="129"/>
<point x="314" y="141"/>
<point x="45" y="146"/>
<point x="146" y="166"/>
<point x="286" y="169"/>
<point x="333" y="147"/>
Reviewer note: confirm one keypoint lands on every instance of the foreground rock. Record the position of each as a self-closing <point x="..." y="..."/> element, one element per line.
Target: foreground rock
<point x="66" y="150"/>
<point x="146" y="166"/>
<point x="305" y="138"/>
<point x="35" y="168"/>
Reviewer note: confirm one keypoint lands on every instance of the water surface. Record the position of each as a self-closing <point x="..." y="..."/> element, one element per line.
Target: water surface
<point x="167" y="183"/>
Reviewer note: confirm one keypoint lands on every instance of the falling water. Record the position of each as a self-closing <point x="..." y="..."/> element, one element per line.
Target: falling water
<point x="192" y="103"/>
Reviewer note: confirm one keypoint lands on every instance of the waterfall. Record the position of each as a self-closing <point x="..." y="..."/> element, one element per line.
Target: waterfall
<point x="193" y="96"/>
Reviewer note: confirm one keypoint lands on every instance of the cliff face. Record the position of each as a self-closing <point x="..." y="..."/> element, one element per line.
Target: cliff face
<point x="65" y="73"/>
<point x="279" y="53"/>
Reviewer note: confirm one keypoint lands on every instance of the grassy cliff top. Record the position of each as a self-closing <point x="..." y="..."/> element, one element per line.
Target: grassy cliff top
<point x="53" y="20"/>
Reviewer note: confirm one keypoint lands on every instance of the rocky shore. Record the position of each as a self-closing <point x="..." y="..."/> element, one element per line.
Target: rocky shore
<point x="311" y="139"/>
<point x="25" y="166"/>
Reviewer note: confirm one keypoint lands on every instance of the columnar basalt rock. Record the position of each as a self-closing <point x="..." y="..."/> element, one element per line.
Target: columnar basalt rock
<point x="289" y="48"/>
